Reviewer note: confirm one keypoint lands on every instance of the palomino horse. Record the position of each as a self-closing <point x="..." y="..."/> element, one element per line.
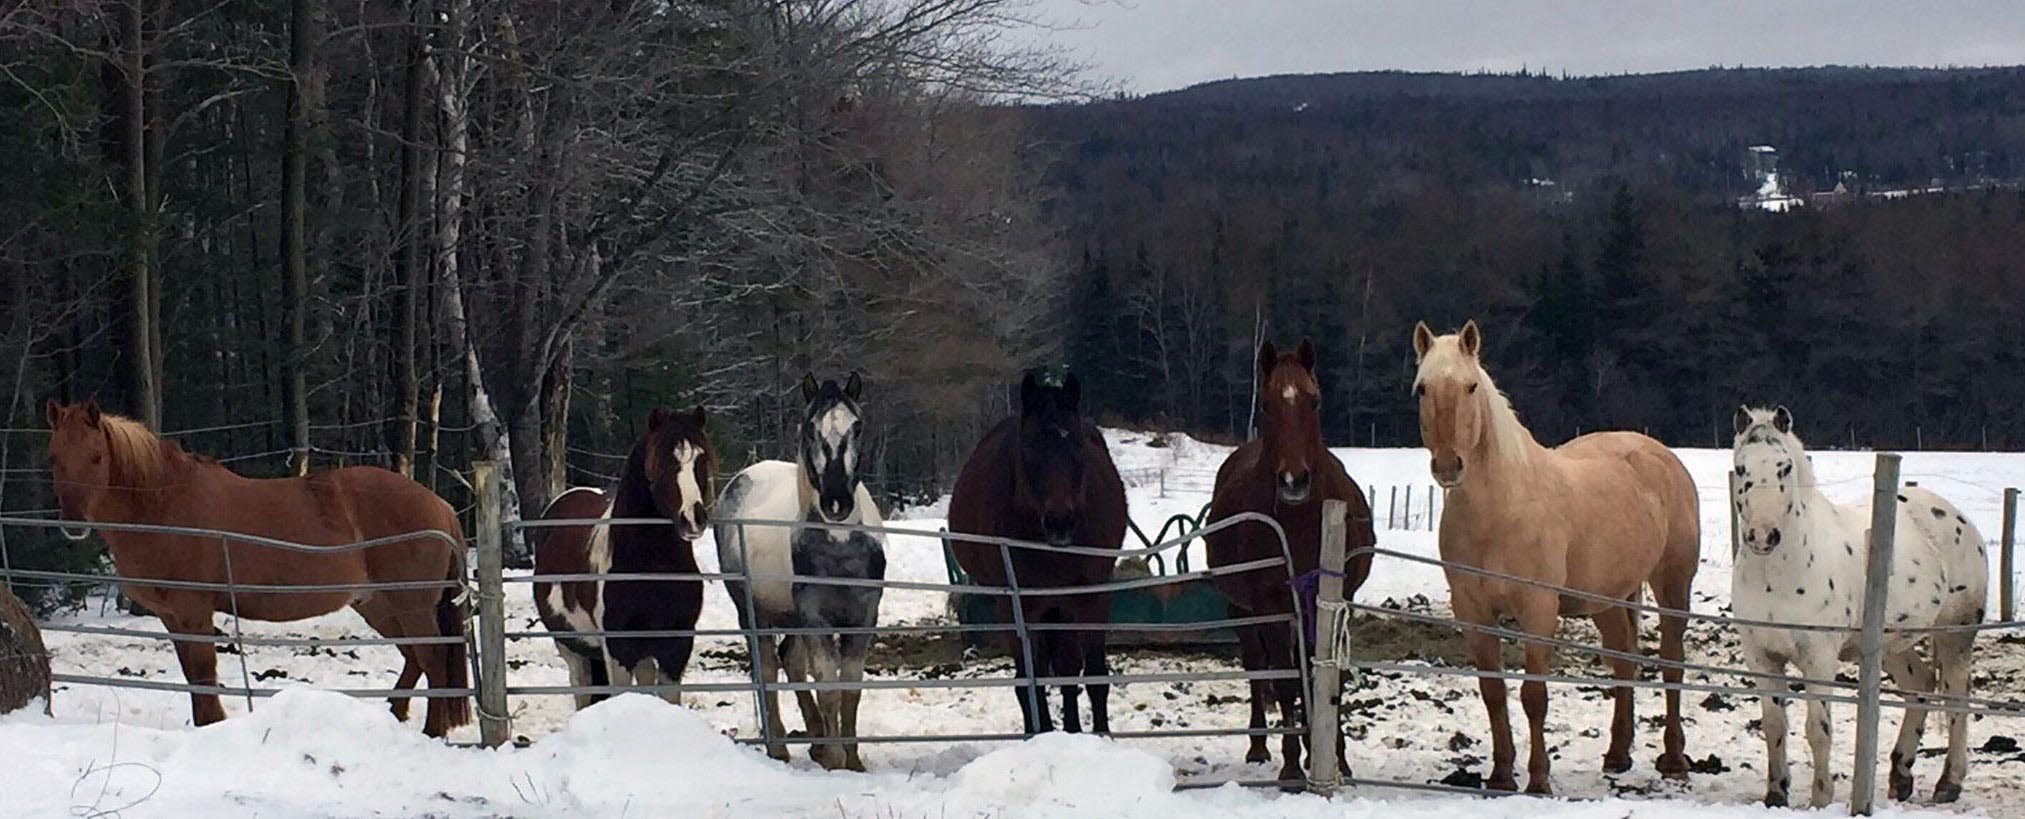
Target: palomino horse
<point x="1602" y="514"/>
<point x="1803" y="562"/>
<point x="667" y="476"/>
<point x="111" y="469"/>
<point x="1285" y="473"/>
<point x="1044" y="474"/>
<point x="820" y="486"/>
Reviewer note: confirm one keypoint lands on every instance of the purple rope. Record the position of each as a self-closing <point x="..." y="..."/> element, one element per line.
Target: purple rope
<point x="1307" y="585"/>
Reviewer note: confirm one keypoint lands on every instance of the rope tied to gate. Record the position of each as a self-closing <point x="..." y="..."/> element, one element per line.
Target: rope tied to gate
<point x="1307" y="585"/>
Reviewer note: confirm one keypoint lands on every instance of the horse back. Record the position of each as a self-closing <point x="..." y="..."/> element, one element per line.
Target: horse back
<point x="567" y="550"/>
<point x="1619" y="473"/>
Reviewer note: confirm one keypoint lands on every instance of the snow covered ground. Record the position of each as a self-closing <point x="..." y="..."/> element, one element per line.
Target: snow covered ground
<point x="314" y="754"/>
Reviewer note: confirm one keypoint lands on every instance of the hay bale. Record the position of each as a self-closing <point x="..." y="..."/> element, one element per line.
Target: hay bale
<point x="24" y="663"/>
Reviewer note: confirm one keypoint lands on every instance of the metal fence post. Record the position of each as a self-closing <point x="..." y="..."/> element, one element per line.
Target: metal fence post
<point x="1883" y="522"/>
<point x="1391" y="508"/>
<point x="2006" y="608"/>
<point x="494" y="725"/>
<point x="1323" y="775"/>
<point x="1036" y="701"/>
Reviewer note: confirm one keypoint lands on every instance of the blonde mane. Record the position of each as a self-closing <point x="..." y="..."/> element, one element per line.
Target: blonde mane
<point x="139" y="460"/>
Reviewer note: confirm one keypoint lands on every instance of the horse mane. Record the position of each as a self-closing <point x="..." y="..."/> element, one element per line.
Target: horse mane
<point x="139" y="459"/>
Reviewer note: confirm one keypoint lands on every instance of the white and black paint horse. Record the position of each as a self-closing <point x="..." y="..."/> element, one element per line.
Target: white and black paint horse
<point x="822" y="486"/>
<point x="1803" y="561"/>
<point x="667" y="475"/>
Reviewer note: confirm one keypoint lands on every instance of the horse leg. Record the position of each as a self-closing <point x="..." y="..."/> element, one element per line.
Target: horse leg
<point x="854" y="648"/>
<point x="1252" y="652"/>
<point x="1097" y="664"/>
<point x="199" y="659"/>
<point x="411" y="673"/>
<point x="1065" y="657"/>
<point x="1033" y="698"/>
<point x="397" y="615"/>
<point x="1486" y="654"/>
<point x="1539" y="618"/>
<point x="1671" y="594"/>
<point x="767" y="662"/>
<point x="1819" y="664"/>
<point x="1952" y="653"/>
<point x="673" y="660"/>
<point x="825" y="665"/>
<point x="1620" y="634"/>
<point x="796" y="654"/>
<point x="580" y="674"/>
<point x="1279" y="646"/>
<point x="1911" y="673"/>
<point x="1772" y="710"/>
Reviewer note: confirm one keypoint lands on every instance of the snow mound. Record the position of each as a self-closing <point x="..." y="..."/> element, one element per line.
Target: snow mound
<point x="1079" y="771"/>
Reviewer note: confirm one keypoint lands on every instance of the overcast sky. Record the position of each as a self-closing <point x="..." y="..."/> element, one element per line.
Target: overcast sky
<point x="1156" y="45"/>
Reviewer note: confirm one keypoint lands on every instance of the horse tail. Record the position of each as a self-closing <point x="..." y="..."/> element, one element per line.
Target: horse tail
<point x="453" y="617"/>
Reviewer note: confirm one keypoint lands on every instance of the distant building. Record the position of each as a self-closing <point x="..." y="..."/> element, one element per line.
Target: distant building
<point x="1761" y="163"/>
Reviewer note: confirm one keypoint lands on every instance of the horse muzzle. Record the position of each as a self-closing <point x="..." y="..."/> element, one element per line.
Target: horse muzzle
<point x="1295" y="490"/>
<point x="74" y="534"/>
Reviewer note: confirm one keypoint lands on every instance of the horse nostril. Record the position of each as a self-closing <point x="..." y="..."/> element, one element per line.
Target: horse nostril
<point x="1773" y="538"/>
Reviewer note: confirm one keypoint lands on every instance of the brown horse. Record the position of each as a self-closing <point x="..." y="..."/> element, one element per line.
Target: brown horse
<point x="1605" y="514"/>
<point x="667" y="475"/>
<point x="111" y="469"/>
<point x="1044" y="474"/>
<point x="1286" y="473"/>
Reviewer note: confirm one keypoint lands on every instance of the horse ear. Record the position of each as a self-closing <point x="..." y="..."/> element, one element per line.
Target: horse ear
<point x="854" y="387"/>
<point x="656" y="417"/>
<point x="1071" y="395"/>
<point x="1782" y="420"/>
<point x="91" y="413"/>
<point x="808" y="386"/>
<point x="1743" y="420"/>
<point x="1306" y="354"/>
<point x="1472" y="339"/>
<point x="698" y="416"/>
<point x="1029" y="394"/>
<point x="1268" y="356"/>
<point x="52" y="411"/>
<point x="1423" y="338"/>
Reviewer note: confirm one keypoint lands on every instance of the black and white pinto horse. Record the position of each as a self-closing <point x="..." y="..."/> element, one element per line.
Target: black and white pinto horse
<point x="667" y="475"/>
<point x="821" y="487"/>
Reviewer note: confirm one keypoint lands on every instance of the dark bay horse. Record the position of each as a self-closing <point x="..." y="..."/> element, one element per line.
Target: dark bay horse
<point x="1044" y="475"/>
<point x="667" y="476"/>
<point x="1285" y="473"/>
<point x="112" y="469"/>
<point x="821" y="485"/>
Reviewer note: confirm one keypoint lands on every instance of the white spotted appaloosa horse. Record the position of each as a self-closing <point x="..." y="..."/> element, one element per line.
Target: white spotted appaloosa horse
<point x="1802" y="562"/>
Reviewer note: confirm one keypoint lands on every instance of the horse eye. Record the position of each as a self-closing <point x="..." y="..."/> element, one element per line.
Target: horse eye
<point x="1473" y="389"/>
<point x="1420" y="390"/>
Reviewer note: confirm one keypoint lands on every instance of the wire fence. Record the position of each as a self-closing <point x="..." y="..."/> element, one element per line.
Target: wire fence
<point x="492" y="677"/>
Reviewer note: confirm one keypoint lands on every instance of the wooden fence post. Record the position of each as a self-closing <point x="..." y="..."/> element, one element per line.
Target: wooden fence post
<point x="494" y="726"/>
<point x="1323" y="774"/>
<point x="2006" y="608"/>
<point x="1883" y="523"/>
<point x="1392" y="508"/>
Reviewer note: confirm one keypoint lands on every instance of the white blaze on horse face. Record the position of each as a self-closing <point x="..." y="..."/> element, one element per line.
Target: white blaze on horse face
<point x="686" y="481"/>
<point x="835" y="428"/>
<point x="1290" y="393"/>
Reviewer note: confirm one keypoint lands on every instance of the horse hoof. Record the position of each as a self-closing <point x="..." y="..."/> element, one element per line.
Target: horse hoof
<point x="1293" y="779"/>
<point x="1505" y="784"/>
<point x="1947" y="792"/>
<point x="853" y="763"/>
<point x="1616" y="764"/>
<point x="1540" y="787"/>
<point x="1672" y="766"/>
<point x="779" y="752"/>
<point x="1775" y="800"/>
<point x="1258" y="755"/>
<point x="1901" y="789"/>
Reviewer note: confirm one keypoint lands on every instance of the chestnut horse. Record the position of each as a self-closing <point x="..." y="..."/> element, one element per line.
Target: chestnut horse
<point x="1604" y="514"/>
<point x="1044" y="475"/>
<point x="1285" y="473"/>
<point x="112" y="469"/>
<point x="667" y="475"/>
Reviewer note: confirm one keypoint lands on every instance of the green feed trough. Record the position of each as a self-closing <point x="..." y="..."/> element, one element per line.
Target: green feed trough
<point x="1187" y="601"/>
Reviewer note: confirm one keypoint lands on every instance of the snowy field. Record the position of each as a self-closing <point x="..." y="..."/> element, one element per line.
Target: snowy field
<point x="314" y="754"/>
